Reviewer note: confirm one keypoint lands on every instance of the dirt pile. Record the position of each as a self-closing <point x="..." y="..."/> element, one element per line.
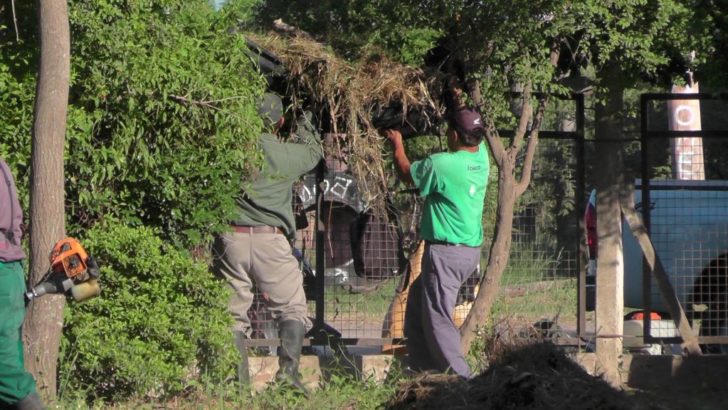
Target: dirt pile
<point x="537" y="376"/>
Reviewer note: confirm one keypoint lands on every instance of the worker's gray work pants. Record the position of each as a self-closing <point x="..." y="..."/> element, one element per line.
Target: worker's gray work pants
<point x="266" y="260"/>
<point x="433" y="340"/>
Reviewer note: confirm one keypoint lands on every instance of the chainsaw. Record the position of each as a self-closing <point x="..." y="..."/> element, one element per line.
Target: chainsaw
<point x="72" y="269"/>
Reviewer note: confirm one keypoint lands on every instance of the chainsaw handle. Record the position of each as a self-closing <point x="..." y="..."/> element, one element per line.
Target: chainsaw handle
<point x="93" y="267"/>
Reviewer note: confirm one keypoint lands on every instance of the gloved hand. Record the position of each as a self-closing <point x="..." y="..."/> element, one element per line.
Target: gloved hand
<point x="305" y="131"/>
<point x="305" y="121"/>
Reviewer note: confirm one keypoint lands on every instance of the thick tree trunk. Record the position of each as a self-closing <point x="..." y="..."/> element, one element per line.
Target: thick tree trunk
<point x="44" y="319"/>
<point x="610" y="262"/>
<point x="498" y="259"/>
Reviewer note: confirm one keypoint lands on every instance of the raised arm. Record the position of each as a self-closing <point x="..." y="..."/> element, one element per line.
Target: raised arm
<point x="401" y="162"/>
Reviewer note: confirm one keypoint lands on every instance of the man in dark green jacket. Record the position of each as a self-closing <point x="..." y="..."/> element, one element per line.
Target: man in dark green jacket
<point x="258" y="249"/>
<point x="17" y="387"/>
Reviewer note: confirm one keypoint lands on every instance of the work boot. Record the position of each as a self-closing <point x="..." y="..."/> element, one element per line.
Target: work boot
<point x="291" y="333"/>
<point x="243" y="365"/>
<point x="30" y="402"/>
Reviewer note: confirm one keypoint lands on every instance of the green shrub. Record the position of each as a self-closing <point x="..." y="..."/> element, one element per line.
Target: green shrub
<point x="162" y="127"/>
<point x="159" y="326"/>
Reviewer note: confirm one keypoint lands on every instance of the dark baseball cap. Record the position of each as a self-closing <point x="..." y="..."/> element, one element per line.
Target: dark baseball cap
<point x="466" y="120"/>
<point x="270" y="108"/>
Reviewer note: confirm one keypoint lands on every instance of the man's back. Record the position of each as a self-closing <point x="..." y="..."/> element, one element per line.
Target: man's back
<point x="10" y="217"/>
<point x="455" y="185"/>
<point x="268" y="200"/>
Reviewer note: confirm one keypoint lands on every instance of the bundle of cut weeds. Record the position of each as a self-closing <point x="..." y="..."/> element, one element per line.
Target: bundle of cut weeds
<point x="534" y="376"/>
<point x="357" y="99"/>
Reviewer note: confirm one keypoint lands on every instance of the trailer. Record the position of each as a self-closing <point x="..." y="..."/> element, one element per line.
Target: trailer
<point x="688" y="226"/>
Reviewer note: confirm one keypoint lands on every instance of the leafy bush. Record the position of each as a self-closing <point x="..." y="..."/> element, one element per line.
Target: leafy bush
<point x="159" y="326"/>
<point x="161" y="129"/>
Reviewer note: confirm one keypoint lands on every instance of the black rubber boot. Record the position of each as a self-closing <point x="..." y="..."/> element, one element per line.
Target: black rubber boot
<point x="243" y="365"/>
<point x="291" y="333"/>
<point x="30" y="402"/>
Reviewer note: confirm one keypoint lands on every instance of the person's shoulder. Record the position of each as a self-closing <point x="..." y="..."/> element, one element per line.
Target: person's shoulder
<point x="442" y="156"/>
<point x="445" y="159"/>
<point x="267" y="140"/>
<point x="267" y="136"/>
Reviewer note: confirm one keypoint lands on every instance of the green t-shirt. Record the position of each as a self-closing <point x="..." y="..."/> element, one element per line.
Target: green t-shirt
<point x="269" y="199"/>
<point x="454" y="185"/>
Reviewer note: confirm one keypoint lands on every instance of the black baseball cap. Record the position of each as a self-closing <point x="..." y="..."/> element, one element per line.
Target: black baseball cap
<point x="466" y="120"/>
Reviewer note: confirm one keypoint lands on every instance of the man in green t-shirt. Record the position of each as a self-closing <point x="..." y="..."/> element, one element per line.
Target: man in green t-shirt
<point x="453" y="184"/>
<point x="258" y="250"/>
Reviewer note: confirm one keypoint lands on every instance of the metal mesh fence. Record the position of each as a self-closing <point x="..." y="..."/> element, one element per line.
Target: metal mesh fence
<point x="361" y="254"/>
<point x="684" y="183"/>
<point x="539" y="286"/>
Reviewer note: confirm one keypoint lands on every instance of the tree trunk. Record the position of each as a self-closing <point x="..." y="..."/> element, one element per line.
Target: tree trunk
<point x="44" y="319"/>
<point x="510" y="188"/>
<point x="499" y="253"/>
<point x="610" y="261"/>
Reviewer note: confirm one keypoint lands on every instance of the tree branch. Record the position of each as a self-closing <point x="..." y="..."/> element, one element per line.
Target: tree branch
<point x="15" y="21"/>
<point x="555" y="53"/>
<point x="531" y="149"/>
<point x="525" y="180"/>
<point x="494" y="142"/>
<point x="526" y="113"/>
<point x="491" y="132"/>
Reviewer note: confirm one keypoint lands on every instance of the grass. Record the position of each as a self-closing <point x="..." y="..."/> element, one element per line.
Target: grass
<point x="535" y="286"/>
<point x="340" y="391"/>
<point x="372" y="304"/>
<point x="556" y="297"/>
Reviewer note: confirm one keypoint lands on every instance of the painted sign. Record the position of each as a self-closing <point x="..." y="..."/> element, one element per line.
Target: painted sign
<point x="337" y="187"/>
<point x="687" y="153"/>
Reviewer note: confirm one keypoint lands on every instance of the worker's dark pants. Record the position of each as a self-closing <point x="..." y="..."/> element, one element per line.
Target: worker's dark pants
<point x="433" y="340"/>
<point x="15" y="382"/>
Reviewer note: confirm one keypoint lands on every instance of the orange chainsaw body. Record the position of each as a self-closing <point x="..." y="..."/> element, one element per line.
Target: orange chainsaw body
<point x="69" y="257"/>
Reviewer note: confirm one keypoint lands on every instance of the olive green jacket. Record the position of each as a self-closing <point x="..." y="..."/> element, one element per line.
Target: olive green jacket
<point x="268" y="199"/>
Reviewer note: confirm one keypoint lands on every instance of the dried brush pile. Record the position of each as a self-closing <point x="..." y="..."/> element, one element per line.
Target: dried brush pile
<point x="535" y="376"/>
<point x="349" y="95"/>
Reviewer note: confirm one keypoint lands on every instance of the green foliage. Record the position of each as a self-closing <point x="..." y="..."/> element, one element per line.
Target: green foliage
<point x="17" y="89"/>
<point x="161" y="128"/>
<point x="159" y="326"/>
<point x="714" y="71"/>
<point x="352" y="25"/>
<point x="645" y="40"/>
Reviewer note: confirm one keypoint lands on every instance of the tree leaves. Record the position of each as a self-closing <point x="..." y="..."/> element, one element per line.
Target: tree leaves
<point x="132" y="151"/>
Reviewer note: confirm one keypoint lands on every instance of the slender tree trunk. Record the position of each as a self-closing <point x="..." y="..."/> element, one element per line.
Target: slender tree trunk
<point x="610" y="262"/>
<point x="44" y="319"/>
<point x="499" y="253"/>
<point x="510" y="188"/>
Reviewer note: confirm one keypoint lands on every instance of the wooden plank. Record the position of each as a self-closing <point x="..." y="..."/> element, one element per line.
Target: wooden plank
<point x="690" y="341"/>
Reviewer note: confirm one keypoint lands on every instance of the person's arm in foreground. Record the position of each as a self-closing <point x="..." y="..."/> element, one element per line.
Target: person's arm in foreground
<point x="401" y="162"/>
<point x="303" y="149"/>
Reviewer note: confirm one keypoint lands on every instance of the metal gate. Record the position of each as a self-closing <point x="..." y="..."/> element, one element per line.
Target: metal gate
<point x="686" y="219"/>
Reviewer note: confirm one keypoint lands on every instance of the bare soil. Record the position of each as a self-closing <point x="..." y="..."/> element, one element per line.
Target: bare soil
<point x="541" y="376"/>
